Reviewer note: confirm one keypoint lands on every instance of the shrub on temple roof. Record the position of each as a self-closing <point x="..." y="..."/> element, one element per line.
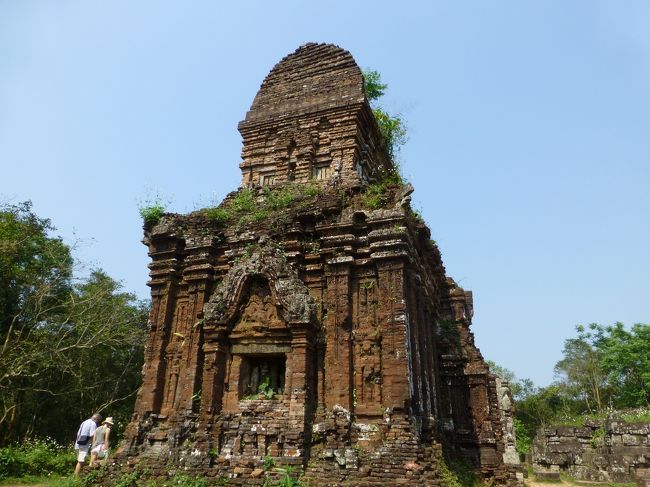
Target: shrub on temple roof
<point x="152" y="208"/>
<point x="372" y="85"/>
<point x="249" y="206"/>
<point x="392" y="128"/>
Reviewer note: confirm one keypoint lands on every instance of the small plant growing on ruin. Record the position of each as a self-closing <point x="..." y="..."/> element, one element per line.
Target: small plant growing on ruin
<point x="310" y="190"/>
<point x="637" y="415"/>
<point x="597" y="438"/>
<point x="244" y="201"/>
<point x="152" y="208"/>
<point x="268" y="463"/>
<point x="128" y="479"/>
<point x="196" y="401"/>
<point x="367" y="285"/>
<point x="216" y="213"/>
<point x="392" y="128"/>
<point x="265" y="389"/>
<point x="184" y="480"/>
<point x="287" y="479"/>
<point x="152" y="214"/>
<point x="372" y="85"/>
<point x="377" y="194"/>
<point x="447" y="329"/>
<point x="279" y="199"/>
<point x="393" y="131"/>
<point x="455" y="472"/>
<point x="248" y="208"/>
<point x="259" y="215"/>
<point x="416" y="216"/>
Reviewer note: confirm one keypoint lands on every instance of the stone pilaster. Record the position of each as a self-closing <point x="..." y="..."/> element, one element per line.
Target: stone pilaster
<point x="397" y="381"/>
<point x="165" y="253"/>
<point x="338" y="347"/>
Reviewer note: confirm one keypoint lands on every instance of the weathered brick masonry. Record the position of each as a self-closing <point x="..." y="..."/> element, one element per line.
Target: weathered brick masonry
<point x="323" y="333"/>
<point x="610" y="450"/>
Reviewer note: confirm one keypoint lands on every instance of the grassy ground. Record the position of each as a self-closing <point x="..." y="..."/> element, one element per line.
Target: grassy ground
<point x="34" y="481"/>
<point x="71" y="482"/>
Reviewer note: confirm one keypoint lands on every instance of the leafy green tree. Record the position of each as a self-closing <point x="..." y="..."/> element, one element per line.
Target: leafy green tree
<point x="35" y="269"/>
<point x="69" y="345"/>
<point x="541" y="406"/>
<point x="607" y="366"/>
<point x="580" y="370"/>
<point x="625" y="360"/>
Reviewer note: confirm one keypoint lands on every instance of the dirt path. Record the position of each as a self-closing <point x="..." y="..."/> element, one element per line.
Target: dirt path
<point x="534" y="483"/>
<point x="530" y="482"/>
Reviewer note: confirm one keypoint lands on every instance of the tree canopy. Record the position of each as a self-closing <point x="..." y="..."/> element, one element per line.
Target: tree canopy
<point x="602" y="368"/>
<point x="69" y="345"/>
<point x="608" y="366"/>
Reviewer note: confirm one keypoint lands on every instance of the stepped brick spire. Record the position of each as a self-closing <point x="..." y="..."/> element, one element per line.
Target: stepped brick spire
<point x="311" y="122"/>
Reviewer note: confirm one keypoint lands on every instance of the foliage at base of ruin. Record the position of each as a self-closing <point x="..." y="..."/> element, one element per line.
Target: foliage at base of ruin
<point x="44" y="457"/>
<point x="457" y="472"/>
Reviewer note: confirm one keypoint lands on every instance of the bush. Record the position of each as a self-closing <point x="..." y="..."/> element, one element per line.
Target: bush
<point x="524" y="440"/>
<point x="392" y="128"/>
<point x="216" y="213"/>
<point x="247" y="208"/>
<point x="243" y="202"/>
<point x="128" y="479"/>
<point x="377" y="194"/>
<point x="277" y="200"/>
<point x="639" y="415"/>
<point x="182" y="480"/>
<point x="152" y="214"/>
<point x="457" y="472"/>
<point x="37" y="457"/>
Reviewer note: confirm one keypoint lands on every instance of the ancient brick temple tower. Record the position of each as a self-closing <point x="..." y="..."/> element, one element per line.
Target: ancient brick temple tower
<point x="308" y="318"/>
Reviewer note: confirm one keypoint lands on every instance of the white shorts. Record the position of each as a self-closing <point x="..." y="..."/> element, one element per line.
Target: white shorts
<point x="100" y="451"/>
<point x="83" y="452"/>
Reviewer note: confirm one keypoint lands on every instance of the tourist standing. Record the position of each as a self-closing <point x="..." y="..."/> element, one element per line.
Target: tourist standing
<point x="84" y="440"/>
<point x="100" y="445"/>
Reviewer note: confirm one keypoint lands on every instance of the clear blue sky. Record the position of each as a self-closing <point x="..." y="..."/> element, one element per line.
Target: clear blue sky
<point x="529" y="129"/>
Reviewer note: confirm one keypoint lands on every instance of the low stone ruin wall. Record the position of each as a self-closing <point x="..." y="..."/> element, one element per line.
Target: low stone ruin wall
<point x="603" y="451"/>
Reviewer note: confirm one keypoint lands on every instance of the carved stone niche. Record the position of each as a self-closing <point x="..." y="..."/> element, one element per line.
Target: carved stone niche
<point x="262" y="317"/>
